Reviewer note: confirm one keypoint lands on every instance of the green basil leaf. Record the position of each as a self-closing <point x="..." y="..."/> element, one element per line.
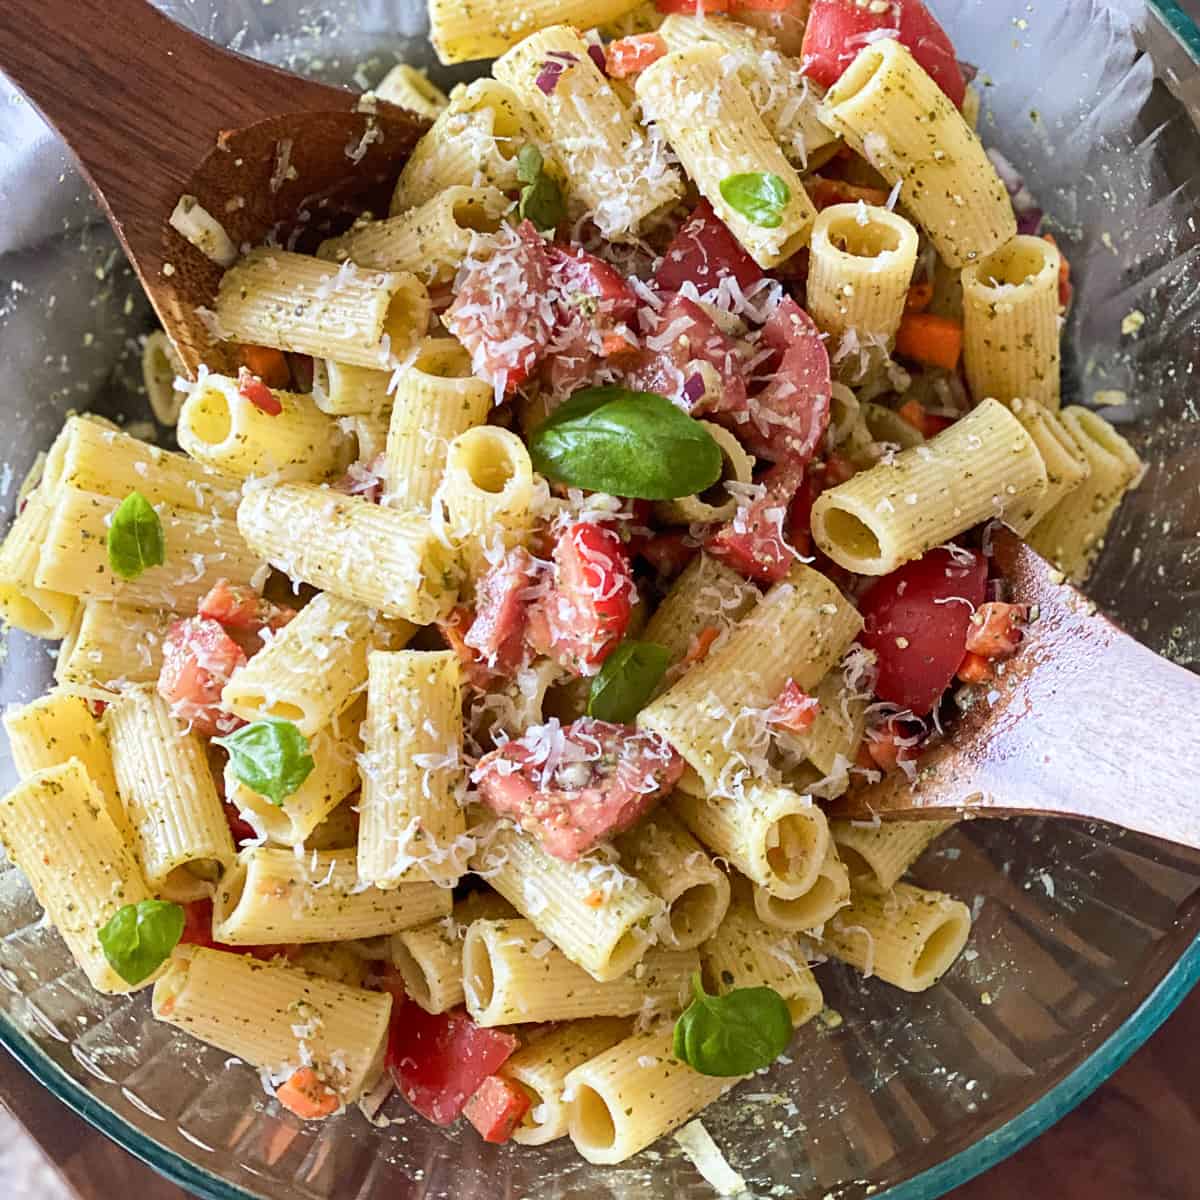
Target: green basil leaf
<point x="733" y="1034"/>
<point x="270" y="756"/>
<point x="135" y="537"/>
<point x="759" y="196"/>
<point x="529" y="164"/>
<point x="627" y="681"/>
<point x="542" y="203"/>
<point x="140" y="937"/>
<point x="635" y="444"/>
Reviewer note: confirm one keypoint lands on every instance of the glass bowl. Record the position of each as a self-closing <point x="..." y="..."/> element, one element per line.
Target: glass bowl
<point x="1084" y="938"/>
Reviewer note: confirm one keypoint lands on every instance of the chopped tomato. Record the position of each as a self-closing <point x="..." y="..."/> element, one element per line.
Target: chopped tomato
<point x="838" y="469"/>
<point x="585" y="614"/>
<point x="692" y="8"/>
<point x="238" y="607"/>
<point x="306" y="1095"/>
<point x="994" y="631"/>
<point x="888" y="747"/>
<point x="588" y="285"/>
<point x="501" y="611"/>
<point x="439" y="1061"/>
<point x="793" y="709"/>
<point x="704" y="252"/>
<point x="920" y="297"/>
<point x="974" y="668"/>
<point x="916" y="622"/>
<point x="198" y="659"/>
<point x="388" y="979"/>
<point x="693" y="338"/>
<point x="825" y="193"/>
<point x="754" y="543"/>
<point x="267" y="363"/>
<point x="251" y="388"/>
<point x="454" y="628"/>
<point x="699" y="646"/>
<point x="239" y="829"/>
<point x="790" y="415"/>
<point x="629" y="55"/>
<point x="197" y="924"/>
<point x="502" y="311"/>
<point x="579" y="786"/>
<point x="497" y="1107"/>
<point x="927" y="424"/>
<point x="838" y="29"/>
<point x="668" y="553"/>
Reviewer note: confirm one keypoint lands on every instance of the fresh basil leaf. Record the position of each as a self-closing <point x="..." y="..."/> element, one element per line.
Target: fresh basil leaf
<point x="733" y="1034"/>
<point x="635" y="444"/>
<point x="627" y="681"/>
<point x="270" y="756"/>
<point x="135" y="537"/>
<point x="542" y="203"/>
<point x="139" y="938"/>
<point x="760" y="196"/>
<point x="529" y="164"/>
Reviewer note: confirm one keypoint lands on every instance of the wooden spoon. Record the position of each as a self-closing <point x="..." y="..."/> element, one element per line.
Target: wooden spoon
<point x="153" y="112"/>
<point x="1085" y="722"/>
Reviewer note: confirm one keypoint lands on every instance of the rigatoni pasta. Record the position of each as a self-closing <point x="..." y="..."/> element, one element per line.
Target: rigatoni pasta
<point x="111" y="645"/>
<point x="40" y="611"/>
<point x="878" y="855"/>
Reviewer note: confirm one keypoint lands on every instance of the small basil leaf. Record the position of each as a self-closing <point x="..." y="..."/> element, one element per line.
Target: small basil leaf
<point x="270" y="756"/>
<point x="627" y="681"/>
<point x="759" y="196"/>
<point x="542" y="203"/>
<point x="135" y="537"/>
<point x="139" y="938"/>
<point x="635" y="444"/>
<point x="529" y="164"/>
<point x="733" y="1034"/>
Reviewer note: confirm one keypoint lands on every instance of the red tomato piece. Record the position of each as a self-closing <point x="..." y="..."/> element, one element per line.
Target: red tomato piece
<point x="974" y="668"/>
<point x="239" y="829"/>
<point x="503" y="312"/>
<point x="197" y="924"/>
<point x="885" y="750"/>
<point x="668" y="553"/>
<point x="921" y="419"/>
<point x="824" y="193"/>
<point x="994" y="631"/>
<point x="631" y="55"/>
<point x="704" y="252"/>
<point x="198" y="659"/>
<point x="691" y="337"/>
<point x="251" y="388"/>
<point x="916" y="622"/>
<point x="838" y="29"/>
<point x="585" y="614"/>
<point x="388" y="979"/>
<point x="497" y="1108"/>
<point x="454" y="628"/>
<point x="238" y="607"/>
<point x="438" y="1061"/>
<point x="793" y="709"/>
<point x="501" y="612"/>
<point x="755" y="543"/>
<point x="790" y="415"/>
<point x="577" y="787"/>
<point x="267" y="363"/>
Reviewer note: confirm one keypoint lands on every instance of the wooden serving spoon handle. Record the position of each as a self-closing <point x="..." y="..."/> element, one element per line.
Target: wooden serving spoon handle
<point x="1085" y="722"/>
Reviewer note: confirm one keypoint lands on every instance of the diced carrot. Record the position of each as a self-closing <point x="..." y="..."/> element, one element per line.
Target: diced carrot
<point x="631" y="55"/>
<point x="929" y="339"/>
<point x="699" y="646"/>
<point x="974" y="668"/>
<point x="614" y="344"/>
<point x="838" y="469"/>
<point x="793" y="709"/>
<point x="920" y="296"/>
<point x="993" y="632"/>
<point x="269" y="364"/>
<point x="921" y="419"/>
<point x="497" y="1107"/>
<point x="824" y="193"/>
<point x="1065" y="288"/>
<point x="305" y="1095"/>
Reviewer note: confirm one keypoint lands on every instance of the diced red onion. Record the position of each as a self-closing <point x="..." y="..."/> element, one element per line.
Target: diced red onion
<point x="693" y="389"/>
<point x="596" y="54"/>
<point x="548" y="77"/>
<point x="1030" y="221"/>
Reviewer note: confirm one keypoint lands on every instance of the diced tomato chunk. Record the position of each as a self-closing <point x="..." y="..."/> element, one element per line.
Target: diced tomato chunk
<point x="927" y="424"/>
<point x="704" y="252"/>
<point x="791" y="414"/>
<point x="579" y="786"/>
<point x="388" y="979"/>
<point x="267" y="363"/>
<point x="699" y="646"/>
<point x="838" y="29"/>
<point x="239" y="828"/>
<point x="501" y="612"/>
<point x="438" y="1061"/>
<point x="251" y="388"/>
<point x="825" y="193"/>
<point x="497" y="1107"/>
<point x="754" y="543"/>
<point x="916" y="621"/>
<point x="238" y="607"/>
<point x="502" y="311"/>
<point x="454" y="628"/>
<point x="197" y="924"/>
<point x="974" y="668"/>
<point x="198" y="659"/>
<point x="994" y="631"/>
<point x="793" y="709"/>
<point x="585" y="614"/>
<point x="307" y="1096"/>
<point x="888" y="747"/>
<point x="630" y="55"/>
<point x="668" y="553"/>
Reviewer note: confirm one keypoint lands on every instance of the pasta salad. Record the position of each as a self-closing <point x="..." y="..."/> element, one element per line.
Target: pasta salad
<point x="456" y="711"/>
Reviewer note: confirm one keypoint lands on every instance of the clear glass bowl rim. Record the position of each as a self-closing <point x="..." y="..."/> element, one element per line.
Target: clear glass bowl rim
<point x="1016" y="1133"/>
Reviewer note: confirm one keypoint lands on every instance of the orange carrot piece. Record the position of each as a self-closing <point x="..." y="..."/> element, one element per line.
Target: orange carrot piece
<point x="631" y="55"/>
<point x="974" y="668"/>
<point x="920" y="296"/>
<point x="305" y="1095"/>
<point x="927" y="424"/>
<point x="268" y="364"/>
<point x="929" y="339"/>
<point x="826" y="192"/>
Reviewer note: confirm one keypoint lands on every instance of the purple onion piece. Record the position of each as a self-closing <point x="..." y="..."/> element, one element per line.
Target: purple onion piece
<point x="693" y="389"/>
<point x="596" y="54"/>
<point x="548" y="77"/>
<point x="1030" y="221"/>
<point x="565" y="55"/>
